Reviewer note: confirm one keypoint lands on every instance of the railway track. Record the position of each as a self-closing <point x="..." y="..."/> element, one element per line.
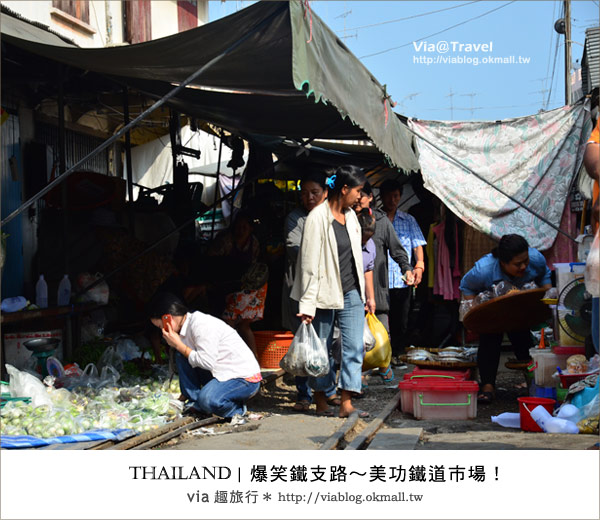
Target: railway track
<point x="353" y="436"/>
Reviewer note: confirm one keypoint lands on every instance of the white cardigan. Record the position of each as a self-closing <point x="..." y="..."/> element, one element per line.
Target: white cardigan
<point x="318" y="283"/>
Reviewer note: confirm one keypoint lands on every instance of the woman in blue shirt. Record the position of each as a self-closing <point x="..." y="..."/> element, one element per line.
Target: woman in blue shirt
<point x="517" y="263"/>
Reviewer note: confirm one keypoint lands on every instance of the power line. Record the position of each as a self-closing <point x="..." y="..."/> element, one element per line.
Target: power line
<point x="436" y="33"/>
<point x="552" y="34"/>
<point x="411" y="17"/>
<point x="488" y="108"/>
<point x="553" y="67"/>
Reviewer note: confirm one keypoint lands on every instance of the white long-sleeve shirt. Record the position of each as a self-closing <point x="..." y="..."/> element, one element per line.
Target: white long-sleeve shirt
<point x="217" y="347"/>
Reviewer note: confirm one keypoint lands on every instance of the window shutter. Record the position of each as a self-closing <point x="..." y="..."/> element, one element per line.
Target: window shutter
<point x="187" y="14"/>
<point x="138" y="21"/>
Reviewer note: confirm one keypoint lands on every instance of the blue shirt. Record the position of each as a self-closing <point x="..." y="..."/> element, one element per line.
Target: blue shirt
<point x="368" y="251"/>
<point x="487" y="272"/>
<point x="410" y="236"/>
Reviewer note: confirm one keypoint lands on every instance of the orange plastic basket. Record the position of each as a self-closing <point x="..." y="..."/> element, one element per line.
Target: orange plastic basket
<point x="271" y="346"/>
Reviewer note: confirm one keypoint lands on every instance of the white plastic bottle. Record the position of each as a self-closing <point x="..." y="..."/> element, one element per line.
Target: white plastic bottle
<point x="508" y="420"/>
<point x="41" y="293"/>
<point x="552" y="424"/>
<point x="64" y="291"/>
<point x="557" y="425"/>
<point x="569" y="412"/>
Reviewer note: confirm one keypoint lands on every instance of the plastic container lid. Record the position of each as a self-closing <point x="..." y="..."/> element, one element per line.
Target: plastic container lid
<point x="418" y="373"/>
<point x="444" y="386"/>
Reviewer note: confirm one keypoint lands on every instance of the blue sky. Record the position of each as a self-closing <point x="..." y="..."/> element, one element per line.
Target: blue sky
<point x="447" y="89"/>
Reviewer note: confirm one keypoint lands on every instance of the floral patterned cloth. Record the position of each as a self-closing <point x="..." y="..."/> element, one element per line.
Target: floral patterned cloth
<point x="246" y="305"/>
<point x="531" y="158"/>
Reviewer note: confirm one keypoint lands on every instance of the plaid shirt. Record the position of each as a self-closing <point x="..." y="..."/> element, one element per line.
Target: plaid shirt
<point x="410" y="236"/>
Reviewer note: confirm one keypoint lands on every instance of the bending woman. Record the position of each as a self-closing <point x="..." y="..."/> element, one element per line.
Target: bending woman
<point x="329" y="283"/>
<point x="217" y="371"/>
<point x="517" y="263"/>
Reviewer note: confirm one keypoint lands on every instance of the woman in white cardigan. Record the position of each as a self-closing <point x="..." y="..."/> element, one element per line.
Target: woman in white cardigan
<point x="330" y="283"/>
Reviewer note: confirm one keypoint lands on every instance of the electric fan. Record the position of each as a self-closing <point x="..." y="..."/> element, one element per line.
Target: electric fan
<point x="575" y="310"/>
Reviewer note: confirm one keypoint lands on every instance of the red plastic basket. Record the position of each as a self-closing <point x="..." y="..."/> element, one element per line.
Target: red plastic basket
<point x="566" y="380"/>
<point x="271" y="346"/>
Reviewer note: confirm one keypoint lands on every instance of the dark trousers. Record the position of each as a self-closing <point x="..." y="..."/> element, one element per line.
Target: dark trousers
<point x="398" y="315"/>
<point x="488" y="353"/>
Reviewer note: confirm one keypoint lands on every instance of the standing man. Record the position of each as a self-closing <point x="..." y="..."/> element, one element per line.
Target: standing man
<point x="412" y="240"/>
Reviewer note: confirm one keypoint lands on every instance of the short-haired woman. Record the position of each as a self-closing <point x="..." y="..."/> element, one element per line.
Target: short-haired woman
<point x="217" y="371"/>
<point x="330" y="283"/>
<point x="515" y="262"/>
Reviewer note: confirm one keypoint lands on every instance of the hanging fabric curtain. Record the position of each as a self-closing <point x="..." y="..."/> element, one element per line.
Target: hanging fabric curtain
<point x="533" y="159"/>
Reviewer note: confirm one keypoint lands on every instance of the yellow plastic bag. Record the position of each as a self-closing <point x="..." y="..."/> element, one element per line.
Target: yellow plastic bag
<point x="381" y="354"/>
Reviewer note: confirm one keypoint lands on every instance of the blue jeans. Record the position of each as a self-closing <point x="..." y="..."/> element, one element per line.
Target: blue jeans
<point x="209" y="395"/>
<point x="351" y="320"/>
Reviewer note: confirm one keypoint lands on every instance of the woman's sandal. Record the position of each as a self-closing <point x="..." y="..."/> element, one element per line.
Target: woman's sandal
<point x="301" y="406"/>
<point x="362" y="414"/>
<point x="485" y="397"/>
<point x="334" y="400"/>
<point x="386" y="375"/>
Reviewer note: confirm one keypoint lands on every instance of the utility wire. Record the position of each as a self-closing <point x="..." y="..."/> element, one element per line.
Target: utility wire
<point x="553" y="67"/>
<point x="411" y="17"/>
<point x="552" y="34"/>
<point x="489" y="108"/>
<point x="436" y="33"/>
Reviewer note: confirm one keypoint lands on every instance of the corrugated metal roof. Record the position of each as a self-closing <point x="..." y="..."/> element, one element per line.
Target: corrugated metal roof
<point x="590" y="63"/>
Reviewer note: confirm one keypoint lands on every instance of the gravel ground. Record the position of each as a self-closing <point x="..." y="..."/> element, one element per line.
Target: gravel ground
<point x="279" y="398"/>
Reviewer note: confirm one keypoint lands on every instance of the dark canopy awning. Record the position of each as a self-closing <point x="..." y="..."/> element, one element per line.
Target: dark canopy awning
<point x="291" y="77"/>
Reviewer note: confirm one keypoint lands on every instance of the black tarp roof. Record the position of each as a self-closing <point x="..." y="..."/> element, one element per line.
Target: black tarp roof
<point x="292" y="77"/>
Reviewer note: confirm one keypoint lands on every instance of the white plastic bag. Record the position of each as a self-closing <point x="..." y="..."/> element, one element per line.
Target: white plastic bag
<point x="592" y="268"/>
<point x="98" y="294"/>
<point x="307" y="355"/>
<point x="368" y="338"/>
<point x="128" y="350"/>
<point x="23" y="384"/>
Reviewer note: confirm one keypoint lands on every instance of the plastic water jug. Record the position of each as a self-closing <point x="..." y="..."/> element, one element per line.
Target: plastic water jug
<point x="552" y="424"/>
<point x="64" y="291"/>
<point x="508" y="420"/>
<point x="41" y="293"/>
<point x="569" y="412"/>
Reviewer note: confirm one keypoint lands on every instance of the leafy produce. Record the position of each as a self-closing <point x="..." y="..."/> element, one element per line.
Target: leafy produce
<point x="142" y="406"/>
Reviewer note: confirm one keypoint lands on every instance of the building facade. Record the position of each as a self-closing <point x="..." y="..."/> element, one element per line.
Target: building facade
<point x="102" y="23"/>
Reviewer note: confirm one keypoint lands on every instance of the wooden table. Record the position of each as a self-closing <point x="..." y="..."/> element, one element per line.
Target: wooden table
<point x="70" y="315"/>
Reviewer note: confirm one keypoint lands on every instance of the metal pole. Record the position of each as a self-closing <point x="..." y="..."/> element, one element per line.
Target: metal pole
<point x="142" y="116"/>
<point x="128" y="163"/>
<point x="567" y="52"/>
<point x="62" y="165"/>
<point x="214" y="212"/>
